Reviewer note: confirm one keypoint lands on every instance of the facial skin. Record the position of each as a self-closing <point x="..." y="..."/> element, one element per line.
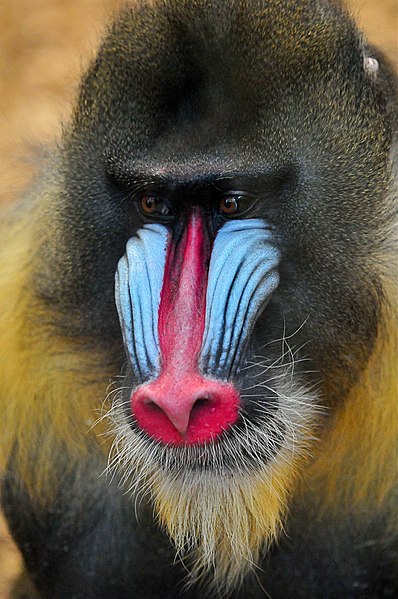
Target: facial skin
<point x="216" y="232"/>
<point x="201" y="327"/>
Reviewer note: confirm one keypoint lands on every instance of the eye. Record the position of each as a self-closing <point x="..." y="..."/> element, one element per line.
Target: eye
<point x="154" y="207"/>
<point x="148" y="204"/>
<point x="235" y="205"/>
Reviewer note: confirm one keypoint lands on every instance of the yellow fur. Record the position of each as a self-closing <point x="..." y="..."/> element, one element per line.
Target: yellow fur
<point x="358" y="458"/>
<point x="225" y="521"/>
<point x="47" y="383"/>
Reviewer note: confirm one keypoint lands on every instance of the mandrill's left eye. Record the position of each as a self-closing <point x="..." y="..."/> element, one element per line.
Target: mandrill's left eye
<point x="235" y="205"/>
<point x="154" y="208"/>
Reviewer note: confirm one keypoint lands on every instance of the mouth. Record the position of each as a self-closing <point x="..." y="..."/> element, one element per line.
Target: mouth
<point x="266" y="429"/>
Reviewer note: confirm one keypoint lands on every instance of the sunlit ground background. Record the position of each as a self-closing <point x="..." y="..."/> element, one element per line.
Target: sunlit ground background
<point x="44" y="45"/>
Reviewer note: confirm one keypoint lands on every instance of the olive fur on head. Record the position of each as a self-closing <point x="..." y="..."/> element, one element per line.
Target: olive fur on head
<point x="197" y="319"/>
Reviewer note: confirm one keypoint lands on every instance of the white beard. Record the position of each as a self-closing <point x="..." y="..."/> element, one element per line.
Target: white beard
<point x="221" y="518"/>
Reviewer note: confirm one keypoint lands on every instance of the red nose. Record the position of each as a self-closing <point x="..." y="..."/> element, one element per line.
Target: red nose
<point x="192" y="410"/>
<point x="181" y="406"/>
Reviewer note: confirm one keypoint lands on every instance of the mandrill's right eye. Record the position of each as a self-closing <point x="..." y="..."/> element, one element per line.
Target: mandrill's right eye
<point x="154" y="208"/>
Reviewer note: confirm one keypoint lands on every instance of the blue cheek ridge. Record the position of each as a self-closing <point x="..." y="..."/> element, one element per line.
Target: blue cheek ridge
<point x="138" y="285"/>
<point x="242" y="277"/>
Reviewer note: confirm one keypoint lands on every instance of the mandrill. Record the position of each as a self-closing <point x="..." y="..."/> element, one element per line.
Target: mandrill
<point x="196" y="316"/>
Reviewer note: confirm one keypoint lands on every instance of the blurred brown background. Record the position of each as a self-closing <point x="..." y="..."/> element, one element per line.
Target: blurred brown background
<point x="44" y="45"/>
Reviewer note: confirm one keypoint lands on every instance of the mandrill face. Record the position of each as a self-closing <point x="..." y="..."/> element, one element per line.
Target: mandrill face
<point x="202" y="418"/>
<point x="234" y="170"/>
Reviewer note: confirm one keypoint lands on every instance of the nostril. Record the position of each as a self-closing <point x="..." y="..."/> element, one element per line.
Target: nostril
<point x="151" y="405"/>
<point x="200" y="405"/>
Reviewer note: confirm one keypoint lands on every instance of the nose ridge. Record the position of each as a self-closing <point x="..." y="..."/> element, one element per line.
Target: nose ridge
<point x="193" y="410"/>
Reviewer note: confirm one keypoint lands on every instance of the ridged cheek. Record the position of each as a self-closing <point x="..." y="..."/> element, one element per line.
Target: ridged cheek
<point x="242" y="277"/>
<point x="187" y="309"/>
<point x="175" y="312"/>
<point x="138" y="286"/>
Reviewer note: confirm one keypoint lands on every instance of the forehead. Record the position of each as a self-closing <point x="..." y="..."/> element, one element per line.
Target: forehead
<point x="191" y="58"/>
<point x="217" y="37"/>
<point x="190" y="76"/>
